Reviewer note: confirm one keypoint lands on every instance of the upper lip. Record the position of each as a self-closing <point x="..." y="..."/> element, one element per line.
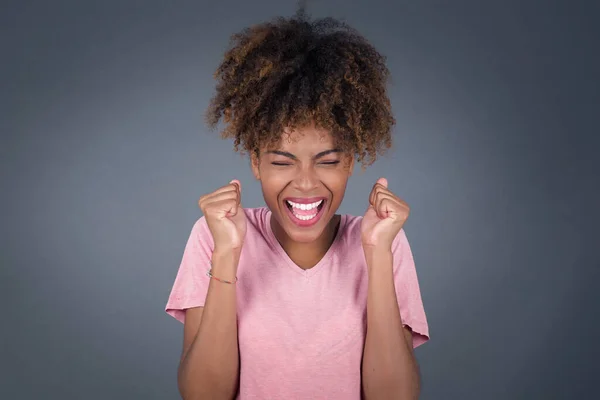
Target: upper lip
<point x="304" y="200"/>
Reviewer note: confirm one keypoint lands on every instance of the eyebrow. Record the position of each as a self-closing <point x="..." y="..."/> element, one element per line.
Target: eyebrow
<point x="293" y="157"/>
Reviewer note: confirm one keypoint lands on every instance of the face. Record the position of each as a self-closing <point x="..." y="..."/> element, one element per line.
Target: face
<point x="303" y="181"/>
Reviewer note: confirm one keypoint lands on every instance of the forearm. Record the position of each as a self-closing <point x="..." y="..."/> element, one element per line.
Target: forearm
<point x="389" y="370"/>
<point x="210" y="369"/>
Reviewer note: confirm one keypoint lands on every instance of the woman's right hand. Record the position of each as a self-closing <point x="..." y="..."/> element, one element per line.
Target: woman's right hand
<point x="225" y="217"/>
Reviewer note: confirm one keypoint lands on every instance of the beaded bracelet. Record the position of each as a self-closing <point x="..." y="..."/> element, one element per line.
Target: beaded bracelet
<point x="210" y="275"/>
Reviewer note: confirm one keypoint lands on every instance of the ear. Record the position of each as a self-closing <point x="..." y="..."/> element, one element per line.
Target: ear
<point x="254" y="164"/>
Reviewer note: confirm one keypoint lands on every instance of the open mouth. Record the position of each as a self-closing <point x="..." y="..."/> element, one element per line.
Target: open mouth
<point x="305" y="213"/>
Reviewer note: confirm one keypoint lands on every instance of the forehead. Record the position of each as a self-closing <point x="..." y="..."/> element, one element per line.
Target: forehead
<point x="306" y="139"/>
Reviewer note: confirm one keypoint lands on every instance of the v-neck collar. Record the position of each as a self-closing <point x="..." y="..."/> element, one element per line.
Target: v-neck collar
<point x="288" y="261"/>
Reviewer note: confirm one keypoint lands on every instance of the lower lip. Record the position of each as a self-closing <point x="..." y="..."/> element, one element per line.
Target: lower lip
<point x="305" y="223"/>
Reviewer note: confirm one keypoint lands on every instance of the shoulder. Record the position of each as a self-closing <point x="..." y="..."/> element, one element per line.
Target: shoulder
<point x="200" y="235"/>
<point x="256" y="216"/>
<point x="350" y="224"/>
<point x="200" y="228"/>
<point x="258" y="220"/>
<point x="349" y="232"/>
<point x="258" y="225"/>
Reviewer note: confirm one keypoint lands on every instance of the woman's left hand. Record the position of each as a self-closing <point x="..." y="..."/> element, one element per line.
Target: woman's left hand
<point x="384" y="218"/>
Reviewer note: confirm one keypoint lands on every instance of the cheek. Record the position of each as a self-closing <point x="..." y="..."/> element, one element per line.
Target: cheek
<point x="336" y="182"/>
<point x="272" y="185"/>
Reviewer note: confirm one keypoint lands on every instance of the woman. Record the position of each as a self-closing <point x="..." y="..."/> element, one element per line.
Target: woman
<point x="291" y="300"/>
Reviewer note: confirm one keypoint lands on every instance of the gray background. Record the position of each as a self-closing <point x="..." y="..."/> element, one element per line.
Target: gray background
<point x="104" y="155"/>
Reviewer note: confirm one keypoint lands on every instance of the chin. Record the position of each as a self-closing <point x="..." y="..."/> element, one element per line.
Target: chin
<point x="304" y="236"/>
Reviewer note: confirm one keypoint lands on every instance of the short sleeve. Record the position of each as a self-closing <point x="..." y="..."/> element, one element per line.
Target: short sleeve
<point x="191" y="282"/>
<point x="408" y="292"/>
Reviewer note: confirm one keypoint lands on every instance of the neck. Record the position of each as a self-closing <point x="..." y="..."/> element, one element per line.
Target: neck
<point x="307" y="255"/>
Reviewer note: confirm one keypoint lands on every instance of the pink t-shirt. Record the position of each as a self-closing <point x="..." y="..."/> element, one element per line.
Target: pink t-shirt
<point x="301" y="332"/>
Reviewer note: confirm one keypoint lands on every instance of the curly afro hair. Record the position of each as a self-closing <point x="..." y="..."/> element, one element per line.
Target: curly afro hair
<point x="293" y="72"/>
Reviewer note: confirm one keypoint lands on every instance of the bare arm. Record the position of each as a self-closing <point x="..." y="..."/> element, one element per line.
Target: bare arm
<point x="209" y="366"/>
<point x="389" y="369"/>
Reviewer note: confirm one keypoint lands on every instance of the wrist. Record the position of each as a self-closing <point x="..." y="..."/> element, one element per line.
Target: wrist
<point x="380" y="245"/>
<point x="378" y="258"/>
<point x="226" y="253"/>
<point x="227" y="260"/>
<point x="377" y="251"/>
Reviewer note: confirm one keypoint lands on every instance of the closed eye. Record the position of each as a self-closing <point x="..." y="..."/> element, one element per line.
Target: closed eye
<point x="282" y="164"/>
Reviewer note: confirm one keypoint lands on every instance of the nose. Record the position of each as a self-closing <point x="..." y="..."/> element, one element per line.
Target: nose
<point x="306" y="179"/>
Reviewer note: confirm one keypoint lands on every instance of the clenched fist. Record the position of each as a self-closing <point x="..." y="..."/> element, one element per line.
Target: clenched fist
<point x="225" y="217"/>
<point x="384" y="218"/>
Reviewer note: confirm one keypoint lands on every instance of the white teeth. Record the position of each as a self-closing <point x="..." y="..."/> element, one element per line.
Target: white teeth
<point x="304" y="206"/>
